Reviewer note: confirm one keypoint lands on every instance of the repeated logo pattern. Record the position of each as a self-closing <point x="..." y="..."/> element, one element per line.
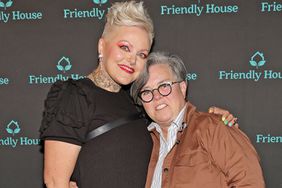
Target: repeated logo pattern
<point x="6" y="5"/>
<point x="13" y="128"/>
<point x="61" y="62"/>
<point x="10" y="139"/>
<point x="257" y="63"/>
<point x="100" y="2"/>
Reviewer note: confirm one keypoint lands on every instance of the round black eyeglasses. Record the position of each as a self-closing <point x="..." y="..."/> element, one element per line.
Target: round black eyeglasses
<point x="163" y="89"/>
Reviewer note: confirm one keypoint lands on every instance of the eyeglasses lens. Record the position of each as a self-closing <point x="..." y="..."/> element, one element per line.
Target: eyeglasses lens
<point x="163" y="89"/>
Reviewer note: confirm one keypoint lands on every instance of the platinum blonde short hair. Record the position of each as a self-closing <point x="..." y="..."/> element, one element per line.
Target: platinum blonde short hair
<point x="175" y="64"/>
<point x="129" y="13"/>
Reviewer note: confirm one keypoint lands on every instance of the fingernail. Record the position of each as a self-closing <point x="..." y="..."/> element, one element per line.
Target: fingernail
<point x="230" y="124"/>
<point x="223" y="118"/>
<point x="225" y="122"/>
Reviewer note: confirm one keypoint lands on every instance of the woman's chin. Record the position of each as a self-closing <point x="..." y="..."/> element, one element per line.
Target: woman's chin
<point x="124" y="82"/>
<point x="163" y="121"/>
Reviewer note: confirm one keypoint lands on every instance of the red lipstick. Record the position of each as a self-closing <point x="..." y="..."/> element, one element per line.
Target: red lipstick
<point x="126" y="68"/>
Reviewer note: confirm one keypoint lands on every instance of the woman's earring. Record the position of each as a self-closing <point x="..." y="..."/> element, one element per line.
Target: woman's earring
<point x="100" y="58"/>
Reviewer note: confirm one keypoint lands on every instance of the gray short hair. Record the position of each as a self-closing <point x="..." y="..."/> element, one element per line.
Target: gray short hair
<point x="173" y="61"/>
<point x="129" y="13"/>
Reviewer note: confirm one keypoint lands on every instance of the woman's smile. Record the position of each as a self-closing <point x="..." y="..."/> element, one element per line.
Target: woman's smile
<point x="126" y="68"/>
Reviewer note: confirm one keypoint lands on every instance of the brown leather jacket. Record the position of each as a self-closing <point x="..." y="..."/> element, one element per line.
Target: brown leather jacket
<point x="208" y="155"/>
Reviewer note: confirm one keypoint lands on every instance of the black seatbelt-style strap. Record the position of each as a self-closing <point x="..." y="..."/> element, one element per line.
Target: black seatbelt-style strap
<point x="113" y="124"/>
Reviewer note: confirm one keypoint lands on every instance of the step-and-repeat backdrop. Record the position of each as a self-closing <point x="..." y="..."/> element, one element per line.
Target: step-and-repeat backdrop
<point x="232" y="49"/>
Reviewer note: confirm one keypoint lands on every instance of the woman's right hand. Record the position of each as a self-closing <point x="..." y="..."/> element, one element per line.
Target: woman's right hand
<point x="227" y="117"/>
<point x="73" y="184"/>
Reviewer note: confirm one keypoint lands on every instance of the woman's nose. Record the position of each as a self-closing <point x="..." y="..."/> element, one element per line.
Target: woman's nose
<point x="132" y="58"/>
<point x="156" y="94"/>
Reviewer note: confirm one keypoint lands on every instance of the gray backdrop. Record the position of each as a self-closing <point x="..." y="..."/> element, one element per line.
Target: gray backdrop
<point x="232" y="48"/>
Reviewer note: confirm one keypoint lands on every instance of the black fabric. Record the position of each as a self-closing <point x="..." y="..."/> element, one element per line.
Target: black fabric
<point x="111" y="125"/>
<point x="118" y="158"/>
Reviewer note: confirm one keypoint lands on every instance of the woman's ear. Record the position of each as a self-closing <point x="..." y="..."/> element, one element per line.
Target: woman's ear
<point x="183" y="87"/>
<point x="101" y="45"/>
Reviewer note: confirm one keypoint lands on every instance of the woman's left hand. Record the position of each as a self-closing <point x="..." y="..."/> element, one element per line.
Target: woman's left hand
<point x="227" y="117"/>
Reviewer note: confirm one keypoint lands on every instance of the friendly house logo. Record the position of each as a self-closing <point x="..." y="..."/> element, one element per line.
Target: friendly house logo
<point x="14" y="137"/>
<point x="191" y="76"/>
<point x="63" y="66"/>
<point x="271" y="6"/>
<point x="96" y="12"/>
<point x="16" y="15"/>
<point x="4" y="81"/>
<point x="197" y="8"/>
<point x="257" y="61"/>
<point x="13" y="128"/>
<point x="100" y="2"/>
<point x="6" y="5"/>
<point x="268" y="139"/>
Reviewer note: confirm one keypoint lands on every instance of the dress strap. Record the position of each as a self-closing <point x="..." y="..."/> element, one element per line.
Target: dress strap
<point x="111" y="125"/>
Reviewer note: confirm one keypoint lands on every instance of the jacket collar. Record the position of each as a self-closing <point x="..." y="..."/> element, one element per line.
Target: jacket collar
<point x="189" y="112"/>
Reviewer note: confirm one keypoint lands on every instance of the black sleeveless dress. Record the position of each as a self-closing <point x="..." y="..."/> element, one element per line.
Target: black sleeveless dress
<point x="118" y="158"/>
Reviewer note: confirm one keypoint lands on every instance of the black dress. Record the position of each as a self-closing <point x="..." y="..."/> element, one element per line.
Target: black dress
<point x="118" y="158"/>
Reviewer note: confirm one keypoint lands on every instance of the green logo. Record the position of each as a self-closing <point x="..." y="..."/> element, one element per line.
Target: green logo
<point x="100" y="2"/>
<point x="6" y="5"/>
<point x="13" y="127"/>
<point x="257" y="60"/>
<point x="61" y="62"/>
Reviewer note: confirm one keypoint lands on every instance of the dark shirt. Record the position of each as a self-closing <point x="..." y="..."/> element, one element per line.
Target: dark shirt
<point x="118" y="158"/>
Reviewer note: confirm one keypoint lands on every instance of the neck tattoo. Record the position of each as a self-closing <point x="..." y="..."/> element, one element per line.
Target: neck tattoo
<point x="104" y="81"/>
